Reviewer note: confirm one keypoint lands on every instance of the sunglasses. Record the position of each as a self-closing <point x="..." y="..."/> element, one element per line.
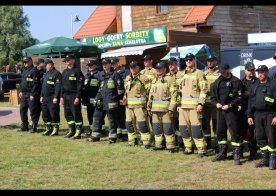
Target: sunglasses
<point x="251" y="70"/>
<point x="210" y="60"/>
<point x="189" y="60"/>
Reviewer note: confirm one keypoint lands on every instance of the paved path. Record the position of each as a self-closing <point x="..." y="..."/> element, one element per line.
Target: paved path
<point x="9" y="115"/>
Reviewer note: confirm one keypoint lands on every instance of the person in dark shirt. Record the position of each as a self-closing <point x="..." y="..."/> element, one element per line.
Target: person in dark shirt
<point x="227" y="96"/>
<point x="71" y="92"/>
<point x="50" y="96"/>
<point x="91" y="87"/>
<point x="122" y="132"/>
<point x="29" y="95"/>
<point x="111" y="89"/>
<point x="262" y="113"/>
<point x="248" y="130"/>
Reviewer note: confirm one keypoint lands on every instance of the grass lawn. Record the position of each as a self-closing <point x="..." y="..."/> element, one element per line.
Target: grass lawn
<point x="33" y="161"/>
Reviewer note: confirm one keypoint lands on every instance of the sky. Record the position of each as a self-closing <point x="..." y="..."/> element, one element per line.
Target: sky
<point x="47" y="22"/>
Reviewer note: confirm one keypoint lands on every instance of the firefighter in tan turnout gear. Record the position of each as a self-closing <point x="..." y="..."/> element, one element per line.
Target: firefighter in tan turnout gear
<point x="176" y="76"/>
<point x="136" y="99"/>
<point x="162" y="103"/>
<point x="210" y="112"/>
<point x="192" y="89"/>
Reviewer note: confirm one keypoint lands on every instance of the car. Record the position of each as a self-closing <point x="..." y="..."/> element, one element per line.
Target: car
<point x="1" y="89"/>
<point x="10" y="81"/>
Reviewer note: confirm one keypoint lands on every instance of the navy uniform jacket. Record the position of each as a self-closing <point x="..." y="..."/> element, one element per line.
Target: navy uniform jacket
<point x="72" y="82"/>
<point x="232" y="92"/>
<point x="262" y="97"/>
<point x="91" y="87"/>
<point x="111" y="89"/>
<point x="51" y="85"/>
<point x="30" y="81"/>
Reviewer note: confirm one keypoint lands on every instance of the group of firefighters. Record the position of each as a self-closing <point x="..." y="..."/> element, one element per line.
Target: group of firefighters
<point x="160" y="107"/>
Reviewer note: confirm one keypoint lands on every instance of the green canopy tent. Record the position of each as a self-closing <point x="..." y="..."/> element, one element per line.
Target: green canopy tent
<point x="201" y="51"/>
<point x="58" y="47"/>
<point x="62" y="46"/>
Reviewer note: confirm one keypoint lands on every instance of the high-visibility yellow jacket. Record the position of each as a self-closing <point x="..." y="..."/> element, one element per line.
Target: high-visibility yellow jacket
<point x="177" y="76"/>
<point x="211" y="75"/>
<point x="150" y="73"/>
<point x="193" y="88"/>
<point x="162" y="96"/>
<point x="136" y="91"/>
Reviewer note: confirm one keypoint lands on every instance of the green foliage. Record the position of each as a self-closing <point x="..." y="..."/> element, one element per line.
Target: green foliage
<point x="1" y="65"/>
<point x="13" y="33"/>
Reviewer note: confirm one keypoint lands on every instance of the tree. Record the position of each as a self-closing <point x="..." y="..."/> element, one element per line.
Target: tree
<point x="13" y="33"/>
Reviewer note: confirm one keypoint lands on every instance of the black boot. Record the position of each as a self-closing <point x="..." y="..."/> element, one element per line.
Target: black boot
<point x="253" y="152"/>
<point x="34" y="127"/>
<point x="112" y="140"/>
<point x="209" y="142"/>
<point x="222" y="155"/>
<point x="48" y="131"/>
<point x="264" y="162"/>
<point x="236" y="155"/>
<point x="241" y="150"/>
<point x="78" y="133"/>
<point x="272" y="161"/>
<point x="72" y="131"/>
<point x="124" y="137"/>
<point x="89" y="133"/>
<point x="55" y="131"/>
<point x="24" y="126"/>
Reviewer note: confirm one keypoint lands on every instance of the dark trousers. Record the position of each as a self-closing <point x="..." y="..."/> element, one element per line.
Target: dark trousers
<point x="245" y="128"/>
<point x="90" y="112"/>
<point x="112" y="122"/>
<point x="72" y="112"/>
<point x="50" y="111"/>
<point x="265" y="132"/>
<point x="228" y="120"/>
<point x="122" y="117"/>
<point x="33" y="106"/>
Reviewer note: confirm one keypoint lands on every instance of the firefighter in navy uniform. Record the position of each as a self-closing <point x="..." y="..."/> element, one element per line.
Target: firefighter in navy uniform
<point x="40" y="66"/>
<point x="50" y="96"/>
<point x="248" y="81"/>
<point x="107" y="101"/>
<point x="91" y="87"/>
<point x="71" y="92"/>
<point x="262" y="105"/>
<point x="122" y="132"/>
<point x="227" y="96"/>
<point x="29" y="95"/>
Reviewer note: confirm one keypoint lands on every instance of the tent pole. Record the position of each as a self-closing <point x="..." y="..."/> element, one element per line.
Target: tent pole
<point x="60" y="63"/>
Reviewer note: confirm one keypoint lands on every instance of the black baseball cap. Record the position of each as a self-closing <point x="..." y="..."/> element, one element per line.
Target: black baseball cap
<point x="91" y="62"/>
<point x="114" y="60"/>
<point x="223" y="67"/>
<point x="106" y="61"/>
<point x="160" y="64"/>
<point x="46" y="61"/>
<point x="212" y="57"/>
<point x="189" y="56"/>
<point x="147" y="57"/>
<point x="262" y="68"/>
<point x="69" y="57"/>
<point x="27" y="59"/>
<point x="172" y="60"/>
<point x="133" y="64"/>
<point x="249" y="66"/>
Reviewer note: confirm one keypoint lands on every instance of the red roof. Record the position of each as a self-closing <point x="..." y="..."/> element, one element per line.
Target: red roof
<point x="198" y="14"/>
<point x="97" y="23"/>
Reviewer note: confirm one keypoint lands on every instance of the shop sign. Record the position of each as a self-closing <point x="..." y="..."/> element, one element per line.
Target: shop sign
<point x="131" y="38"/>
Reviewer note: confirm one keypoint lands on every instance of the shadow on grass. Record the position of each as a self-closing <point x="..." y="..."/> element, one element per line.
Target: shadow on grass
<point x="14" y="127"/>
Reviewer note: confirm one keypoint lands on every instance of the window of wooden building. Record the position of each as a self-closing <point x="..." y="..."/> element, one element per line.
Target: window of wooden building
<point x="162" y="9"/>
